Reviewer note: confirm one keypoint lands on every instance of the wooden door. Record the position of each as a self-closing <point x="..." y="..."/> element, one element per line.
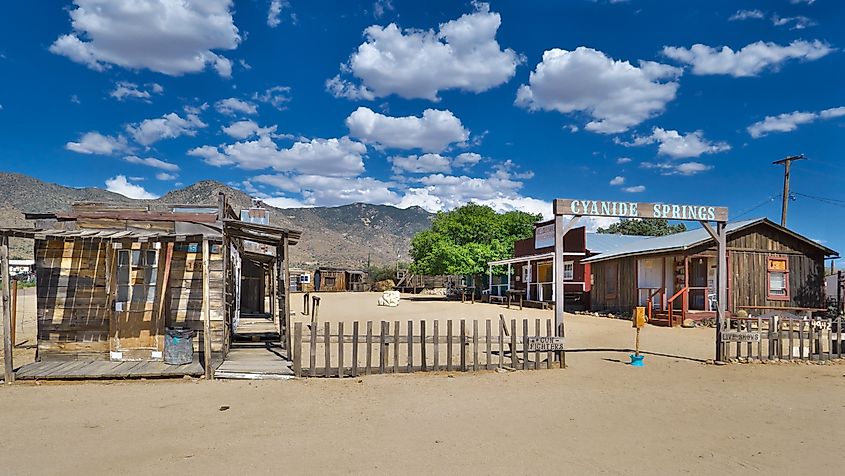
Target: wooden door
<point x="136" y="329"/>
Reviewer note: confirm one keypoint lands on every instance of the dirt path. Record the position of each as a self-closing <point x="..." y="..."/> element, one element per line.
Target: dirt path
<point x="676" y="415"/>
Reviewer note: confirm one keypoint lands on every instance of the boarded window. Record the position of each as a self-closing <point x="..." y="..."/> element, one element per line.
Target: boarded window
<point x="144" y="265"/>
<point x="778" y="279"/>
<point x="568" y="270"/>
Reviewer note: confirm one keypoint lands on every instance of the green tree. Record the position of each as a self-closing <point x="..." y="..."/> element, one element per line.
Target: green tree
<point x="463" y="240"/>
<point x="650" y="227"/>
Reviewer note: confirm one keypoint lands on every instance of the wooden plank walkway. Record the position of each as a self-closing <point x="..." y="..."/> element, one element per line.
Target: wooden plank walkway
<point x="103" y="369"/>
<point x="259" y="361"/>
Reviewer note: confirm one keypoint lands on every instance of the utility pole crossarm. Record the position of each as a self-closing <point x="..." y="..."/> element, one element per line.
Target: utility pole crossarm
<point x="787" y="162"/>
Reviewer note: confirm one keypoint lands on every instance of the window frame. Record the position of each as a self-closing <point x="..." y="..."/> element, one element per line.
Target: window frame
<point x="611" y="275"/>
<point x="772" y="269"/>
<point x="570" y="275"/>
<point x="137" y="259"/>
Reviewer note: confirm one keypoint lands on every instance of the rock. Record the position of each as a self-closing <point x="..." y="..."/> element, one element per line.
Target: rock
<point x="720" y="362"/>
<point x="389" y="299"/>
<point x="688" y="323"/>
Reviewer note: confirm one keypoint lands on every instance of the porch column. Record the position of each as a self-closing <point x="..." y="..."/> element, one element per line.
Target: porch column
<point x="528" y="282"/>
<point x="489" y="279"/>
<point x="206" y="312"/>
<point x="510" y="271"/>
<point x="9" y="369"/>
<point x="286" y="271"/>
<point x="722" y="286"/>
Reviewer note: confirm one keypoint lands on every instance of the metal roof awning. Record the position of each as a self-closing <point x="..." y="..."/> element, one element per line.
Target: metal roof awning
<point x="266" y="234"/>
<point x="99" y="235"/>
<point x="537" y="257"/>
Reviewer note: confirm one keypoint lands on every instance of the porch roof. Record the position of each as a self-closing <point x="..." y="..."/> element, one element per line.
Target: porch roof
<point x="537" y="257"/>
<point x="690" y="239"/>
<point x="102" y="235"/>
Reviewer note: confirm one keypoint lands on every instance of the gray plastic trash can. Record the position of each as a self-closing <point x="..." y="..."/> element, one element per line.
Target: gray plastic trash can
<point x="178" y="345"/>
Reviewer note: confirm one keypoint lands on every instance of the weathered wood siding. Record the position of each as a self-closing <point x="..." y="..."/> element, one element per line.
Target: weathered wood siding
<point x="73" y="314"/>
<point x="624" y="272"/>
<point x="186" y="295"/>
<point x="749" y="252"/>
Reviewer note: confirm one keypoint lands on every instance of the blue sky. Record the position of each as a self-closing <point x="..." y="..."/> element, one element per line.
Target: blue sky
<point x="435" y="103"/>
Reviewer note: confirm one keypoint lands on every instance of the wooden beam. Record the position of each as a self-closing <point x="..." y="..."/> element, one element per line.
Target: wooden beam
<point x="286" y="271"/>
<point x="164" y="285"/>
<point x="721" y="285"/>
<point x="9" y="369"/>
<point x="206" y="312"/>
<point x="560" y="233"/>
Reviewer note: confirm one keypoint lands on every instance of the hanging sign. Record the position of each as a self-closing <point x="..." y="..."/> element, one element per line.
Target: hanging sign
<point x="605" y="208"/>
<point x="544" y="236"/>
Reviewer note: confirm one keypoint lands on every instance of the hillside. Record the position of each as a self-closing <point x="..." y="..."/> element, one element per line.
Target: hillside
<point x="348" y="235"/>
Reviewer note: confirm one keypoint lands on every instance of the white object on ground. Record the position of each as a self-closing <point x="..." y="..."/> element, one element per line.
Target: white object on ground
<point x="389" y="299"/>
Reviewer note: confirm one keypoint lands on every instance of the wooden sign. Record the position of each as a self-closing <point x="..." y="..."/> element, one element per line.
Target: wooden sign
<point x="732" y="336"/>
<point x="605" y="208"/>
<point x="545" y="344"/>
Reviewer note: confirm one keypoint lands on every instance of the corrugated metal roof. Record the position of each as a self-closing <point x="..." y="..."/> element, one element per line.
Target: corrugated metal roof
<point x="43" y="234"/>
<point x="688" y="239"/>
<point x="606" y="242"/>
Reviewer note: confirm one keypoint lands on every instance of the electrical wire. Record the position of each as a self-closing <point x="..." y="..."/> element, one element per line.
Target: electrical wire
<point x="755" y="207"/>
<point x="828" y="201"/>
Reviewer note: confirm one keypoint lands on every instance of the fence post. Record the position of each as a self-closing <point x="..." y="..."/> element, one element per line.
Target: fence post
<point x="355" y="349"/>
<point x="396" y="347"/>
<point x="369" y="369"/>
<point x="436" y="338"/>
<point x="514" y="353"/>
<point x="340" y="349"/>
<point x="422" y="347"/>
<point x="327" y="344"/>
<point x="550" y="355"/>
<point x="502" y="330"/>
<point x="463" y="345"/>
<point x="801" y="339"/>
<point x="475" y="345"/>
<point x="312" y="358"/>
<point x="382" y="353"/>
<point x="410" y="347"/>
<point x="297" y="349"/>
<point x="489" y="345"/>
<point x="839" y="337"/>
<point x="525" y="359"/>
<point x="537" y="352"/>
<point x="829" y="329"/>
<point x="449" y="345"/>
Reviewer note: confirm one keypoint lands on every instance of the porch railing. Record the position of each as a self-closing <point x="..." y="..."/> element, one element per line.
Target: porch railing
<point x="683" y="293"/>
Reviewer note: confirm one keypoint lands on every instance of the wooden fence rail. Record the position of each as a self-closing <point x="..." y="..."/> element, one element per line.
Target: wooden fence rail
<point x="786" y="338"/>
<point x="390" y="347"/>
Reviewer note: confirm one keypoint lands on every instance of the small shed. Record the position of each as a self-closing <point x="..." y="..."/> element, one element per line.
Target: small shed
<point x="328" y="279"/>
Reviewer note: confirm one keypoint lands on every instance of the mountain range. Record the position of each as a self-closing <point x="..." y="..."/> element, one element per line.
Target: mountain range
<point x="344" y="236"/>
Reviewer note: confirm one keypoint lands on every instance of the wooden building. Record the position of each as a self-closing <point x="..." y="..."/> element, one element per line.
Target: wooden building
<point x="531" y="270"/>
<point x="769" y="267"/>
<point x="340" y="279"/>
<point x="112" y="279"/>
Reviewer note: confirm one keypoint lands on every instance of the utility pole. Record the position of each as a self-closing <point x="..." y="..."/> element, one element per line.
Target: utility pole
<point x="786" y="165"/>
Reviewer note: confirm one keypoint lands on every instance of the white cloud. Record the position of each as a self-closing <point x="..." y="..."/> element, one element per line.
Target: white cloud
<point x="790" y="121"/>
<point x="96" y="143"/>
<point x="467" y="160"/>
<point x="277" y="96"/>
<point x="274" y="11"/>
<point x="168" y="126"/>
<point x="634" y="189"/>
<point x="284" y="202"/>
<point x="433" y="132"/>
<point x="751" y="60"/>
<point x="673" y="168"/>
<point x="234" y="106"/>
<point x="320" y="190"/>
<point x="623" y="160"/>
<point x="618" y="180"/>
<point x="463" y="54"/>
<point x="747" y="14"/>
<point x="808" y="2"/>
<point x="677" y="146"/>
<point x="166" y="36"/>
<point x="799" y="22"/>
<point x="246" y="129"/>
<point x="121" y="185"/>
<point x="380" y="7"/>
<point x="164" y="176"/>
<point x="615" y="94"/>
<point x="152" y="162"/>
<point x="423" y="164"/>
<point x="124" y="89"/>
<point x="330" y="157"/>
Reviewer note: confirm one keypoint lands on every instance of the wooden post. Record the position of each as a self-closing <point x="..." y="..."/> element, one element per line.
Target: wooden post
<point x="327" y="348"/>
<point x="463" y="345"/>
<point x="422" y="347"/>
<point x="382" y="355"/>
<point x="369" y="369"/>
<point x="537" y="352"/>
<point x="560" y="232"/>
<point x="305" y="304"/>
<point x="340" y="349"/>
<point x="449" y="345"/>
<point x="312" y="358"/>
<point x="355" y="349"/>
<point x="9" y="369"/>
<point x="475" y="345"/>
<point x="297" y="350"/>
<point x="801" y="338"/>
<point x="514" y="353"/>
<point x="436" y="339"/>
<point x="410" y="346"/>
<point x="525" y="344"/>
<point x="489" y="346"/>
<point x="396" y="347"/>
<point x="503" y="329"/>
<point x="206" y="310"/>
<point x="286" y="293"/>
<point x="550" y="356"/>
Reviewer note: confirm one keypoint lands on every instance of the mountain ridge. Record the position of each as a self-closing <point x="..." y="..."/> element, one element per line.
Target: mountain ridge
<point x="351" y="235"/>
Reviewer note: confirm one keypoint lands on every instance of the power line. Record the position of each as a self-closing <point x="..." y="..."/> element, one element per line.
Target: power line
<point x="755" y="207"/>
<point x="827" y="201"/>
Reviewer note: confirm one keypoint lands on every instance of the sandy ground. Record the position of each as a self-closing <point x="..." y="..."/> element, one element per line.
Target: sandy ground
<point x="676" y="415"/>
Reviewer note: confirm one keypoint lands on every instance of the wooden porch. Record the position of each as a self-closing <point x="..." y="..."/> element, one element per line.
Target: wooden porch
<point x="104" y="369"/>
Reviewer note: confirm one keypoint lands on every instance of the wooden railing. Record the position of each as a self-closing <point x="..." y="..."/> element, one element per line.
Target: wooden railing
<point x="650" y="304"/>
<point x="683" y="293"/>
<point x="786" y="338"/>
<point x="394" y="347"/>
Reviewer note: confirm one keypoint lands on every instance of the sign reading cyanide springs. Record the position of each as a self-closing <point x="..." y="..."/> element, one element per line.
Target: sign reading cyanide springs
<point x="604" y="208"/>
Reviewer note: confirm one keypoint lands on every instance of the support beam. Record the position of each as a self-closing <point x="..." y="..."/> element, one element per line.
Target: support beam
<point x="9" y="369"/>
<point x="206" y="311"/>
<point x="721" y="285"/>
<point x="560" y="232"/>
<point x="286" y="264"/>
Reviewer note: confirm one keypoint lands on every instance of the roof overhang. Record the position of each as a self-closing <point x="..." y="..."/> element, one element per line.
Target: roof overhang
<point x="537" y="257"/>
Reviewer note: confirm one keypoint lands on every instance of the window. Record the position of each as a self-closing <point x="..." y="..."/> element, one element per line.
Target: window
<point x="145" y="265"/>
<point x="778" y="279"/>
<point x="526" y="273"/>
<point x="568" y="270"/>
